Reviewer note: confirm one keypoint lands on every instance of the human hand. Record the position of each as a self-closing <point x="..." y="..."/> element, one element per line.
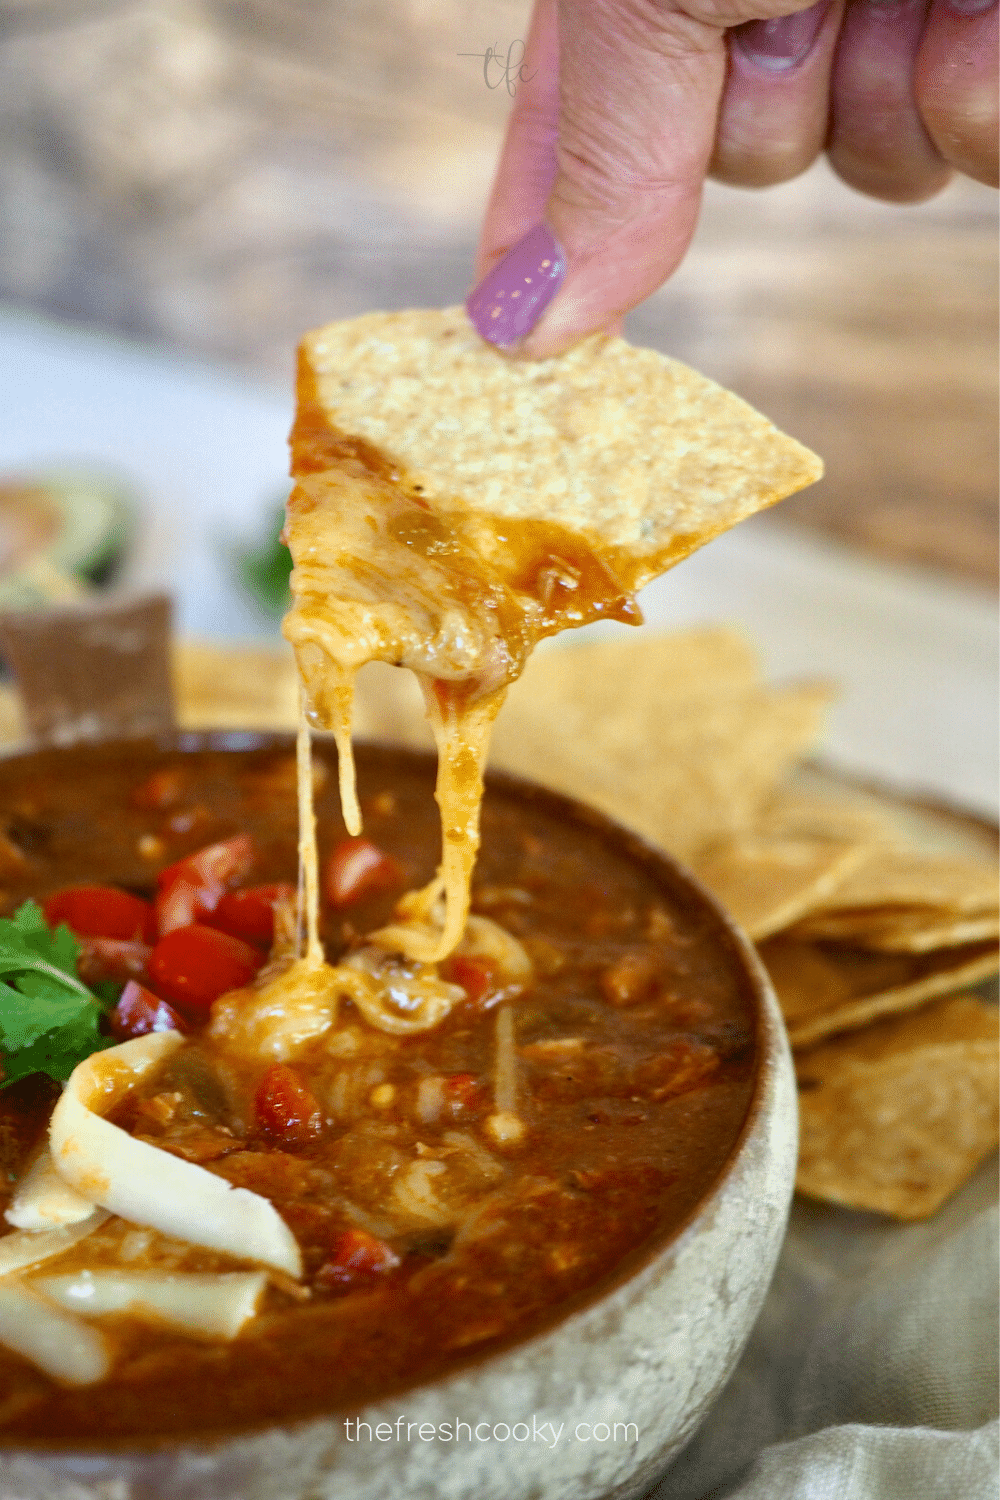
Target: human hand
<point x="627" y="105"/>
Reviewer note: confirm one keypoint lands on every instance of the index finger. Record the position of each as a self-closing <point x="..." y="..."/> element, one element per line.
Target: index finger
<point x="617" y="121"/>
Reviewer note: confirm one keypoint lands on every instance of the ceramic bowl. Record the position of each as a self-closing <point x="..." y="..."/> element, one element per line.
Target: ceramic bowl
<point x="624" y="1379"/>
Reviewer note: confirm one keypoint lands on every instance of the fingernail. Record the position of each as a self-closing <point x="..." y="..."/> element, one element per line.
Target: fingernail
<point x="507" y="304"/>
<point x="780" y="44"/>
<point x="971" y="7"/>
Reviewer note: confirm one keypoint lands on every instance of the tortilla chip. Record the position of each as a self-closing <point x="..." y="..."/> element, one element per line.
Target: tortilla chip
<point x="687" y="669"/>
<point x="908" y="877"/>
<point x="389" y="707"/>
<point x="235" y="687"/>
<point x="906" y="930"/>
<point x="826" y="989"/>
<point x="766" y="883"/>
<point x="601" y="723"/>
<point x="606" y="439"/>
<point x="801" y="814"/>
<point x="13" y="730"/>
<point x="897" y="1117"/>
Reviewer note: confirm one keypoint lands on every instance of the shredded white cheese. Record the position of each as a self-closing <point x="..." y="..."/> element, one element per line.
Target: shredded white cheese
<point x="26" y="1247"/>
<point x="44" y="1200"/>
<point x="54" y="1341"/>
<point x="213" y="1306"/>
<point x="147" y="1186"/>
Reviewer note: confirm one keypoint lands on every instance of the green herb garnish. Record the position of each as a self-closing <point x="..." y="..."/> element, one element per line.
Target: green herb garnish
<point x="265" y="569"/>
<point x="49" y="1020"/>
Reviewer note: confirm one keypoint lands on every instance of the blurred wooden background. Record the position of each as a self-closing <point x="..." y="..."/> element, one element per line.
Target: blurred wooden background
<point x="220" y="174"/>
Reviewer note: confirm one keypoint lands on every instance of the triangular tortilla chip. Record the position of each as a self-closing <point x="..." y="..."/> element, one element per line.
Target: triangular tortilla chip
<point x="826" y="989"/>
<point x="235" y="687"/>
<point x="896" y="1117"/>
<point x="454" y="507"/>
<point x="886" y="929"/>
<point x="616" y="442"/>
<point x="792" y="813"/>
<point x="766" y="883"/>
<point x="601" y="723"/>
<point x="909" y="877"/>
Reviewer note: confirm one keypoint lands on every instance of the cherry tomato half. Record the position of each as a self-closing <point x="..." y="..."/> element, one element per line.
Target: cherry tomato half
<point x="357" y="868"/>
<point x="102" y="911"/>
<point x="249" y="913"/>
<point x="193" y="966"/>
<point x="192" y="887"/>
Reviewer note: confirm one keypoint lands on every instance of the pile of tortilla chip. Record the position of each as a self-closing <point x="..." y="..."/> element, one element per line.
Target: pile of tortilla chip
<point x="871" y="914"/>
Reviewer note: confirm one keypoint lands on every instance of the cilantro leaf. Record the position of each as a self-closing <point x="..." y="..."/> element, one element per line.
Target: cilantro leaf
<point x="49" y="1019"/>
<point x="265" y="570"/>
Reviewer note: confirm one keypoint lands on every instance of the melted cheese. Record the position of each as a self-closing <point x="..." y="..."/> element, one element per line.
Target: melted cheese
<point x="277" y="1021"/>
<point x="147" y="1186"/>
<point x="308" y="858"/>
<point x="462" y="734"/>
<point x="397" y="995"/>
<point x="457" y="597"/>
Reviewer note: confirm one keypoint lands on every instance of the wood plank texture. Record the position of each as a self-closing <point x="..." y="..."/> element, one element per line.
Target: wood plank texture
<point x="220" y="176"/>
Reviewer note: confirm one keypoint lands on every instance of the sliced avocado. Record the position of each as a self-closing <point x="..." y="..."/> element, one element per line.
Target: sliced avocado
<point x="62" y="532"/>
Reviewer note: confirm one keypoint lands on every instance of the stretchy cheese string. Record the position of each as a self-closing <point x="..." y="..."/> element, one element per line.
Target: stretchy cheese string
<point x="340" y="707"/>
<point x="366" y="990"/>
<point x="462" y="734"/>
<point x="308" y="862"/>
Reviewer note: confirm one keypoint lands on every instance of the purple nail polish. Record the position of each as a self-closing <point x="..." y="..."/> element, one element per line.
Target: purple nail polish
<point x="506" y="305"/>
<point x="782" y="43"/>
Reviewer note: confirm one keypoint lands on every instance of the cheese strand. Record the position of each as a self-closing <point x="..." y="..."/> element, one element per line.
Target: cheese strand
<point x="308" y="859"/>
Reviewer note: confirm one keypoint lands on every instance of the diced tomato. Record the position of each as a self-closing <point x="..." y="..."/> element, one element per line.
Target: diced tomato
<point x="357" y="868"/>
<point x="102" y="911"/>
<point x="462" y="1090"/>
<point x="163" y="789"/>
<point x="216" y="865"/>
<point x="357" y="1256"/>
<point x="193" y="966"/>
<point x="139" y="1012"/>
<point x="249" y="913"/>
<point x="286" y="1108"/>
<point x="475" y="976"/>
<point x="194" y="886"/>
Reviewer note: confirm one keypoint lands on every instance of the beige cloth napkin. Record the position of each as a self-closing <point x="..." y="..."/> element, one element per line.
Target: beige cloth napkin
<point x="872" y="1373"/>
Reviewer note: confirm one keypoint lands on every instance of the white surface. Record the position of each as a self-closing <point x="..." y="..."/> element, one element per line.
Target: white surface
<point x="915" y="654"/>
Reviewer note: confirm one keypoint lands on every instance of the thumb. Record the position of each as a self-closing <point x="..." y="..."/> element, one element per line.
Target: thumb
<point x="607" y="149"/>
